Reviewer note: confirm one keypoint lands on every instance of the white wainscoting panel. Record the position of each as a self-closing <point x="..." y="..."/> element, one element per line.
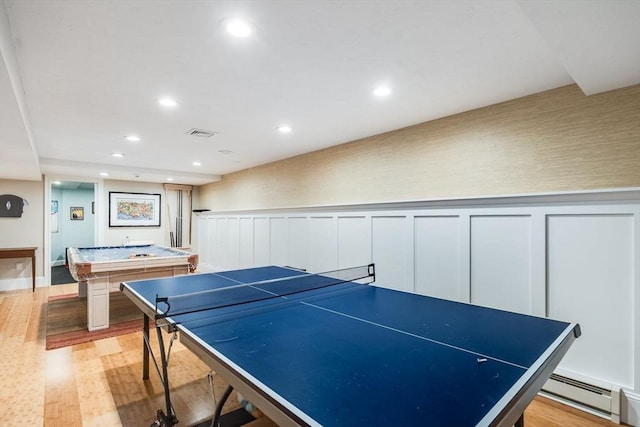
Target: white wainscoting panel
<point x="261" y="242"/>
<point x="220" y="245"/>
<point x="233" y="244"/>
<point x="323" y="244"/>
<point x="577" y="262"/>
<point x="298" y="243"/>
<point x="437" y="256"/>
<point x="246" y="242"/>
<point x="501" y="262"/>
<point x="591" y="282"/>
<point x="389" y="249"/>
<point x="210" y="243"/>
<point x="213" y="241"/>
<point x="279" y="239"/>
<point x="201" y="226"/>
<point x="354" y="241"/>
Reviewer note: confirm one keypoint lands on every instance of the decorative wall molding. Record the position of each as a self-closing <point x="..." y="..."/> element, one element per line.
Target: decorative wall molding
<point x="616" y="195"/>
<point x="573" y="256"/>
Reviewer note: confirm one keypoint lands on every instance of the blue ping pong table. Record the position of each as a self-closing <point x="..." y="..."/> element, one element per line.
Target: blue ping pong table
<point x="355" y="354"/>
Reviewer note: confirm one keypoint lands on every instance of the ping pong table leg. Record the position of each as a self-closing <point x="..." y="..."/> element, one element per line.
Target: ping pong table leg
<point x="520" y="422"/>
<point x="169" y="419"/>
<point x="237" y="417"/>
<point x="218" y="413"/>
<point x="145" y="349"/>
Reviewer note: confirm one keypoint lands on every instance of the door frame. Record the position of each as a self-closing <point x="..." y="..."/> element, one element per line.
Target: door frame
<point x="98" y="233"/>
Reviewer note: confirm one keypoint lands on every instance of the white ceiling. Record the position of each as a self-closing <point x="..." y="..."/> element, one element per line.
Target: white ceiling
<point x="77" y="76"/>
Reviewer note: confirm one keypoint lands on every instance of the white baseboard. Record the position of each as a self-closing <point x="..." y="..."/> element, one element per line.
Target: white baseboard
<point x="631" y="408"/>
<point x="20" y="283"/>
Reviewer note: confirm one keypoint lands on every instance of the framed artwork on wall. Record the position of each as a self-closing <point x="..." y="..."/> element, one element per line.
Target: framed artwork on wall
<point x="134" y="209"/>
<point x="77" y="213"/>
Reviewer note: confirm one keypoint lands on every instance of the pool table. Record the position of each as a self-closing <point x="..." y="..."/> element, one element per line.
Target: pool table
<point x="99" y="271"/>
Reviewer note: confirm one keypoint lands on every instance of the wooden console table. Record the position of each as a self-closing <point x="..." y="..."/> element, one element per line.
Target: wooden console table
<point x="7" y="253"/>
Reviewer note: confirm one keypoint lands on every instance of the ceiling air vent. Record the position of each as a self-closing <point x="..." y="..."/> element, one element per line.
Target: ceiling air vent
<point x="200" y="133"/>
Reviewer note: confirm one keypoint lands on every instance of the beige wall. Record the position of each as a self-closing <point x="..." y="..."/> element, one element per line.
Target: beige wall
<point x="116" y="235"/>
<point x="560" y="140"/>
<point x="159" y="235"/>
<point x="25" y="231"/>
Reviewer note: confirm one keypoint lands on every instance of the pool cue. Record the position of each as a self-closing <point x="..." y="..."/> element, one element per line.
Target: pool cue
<point x="179" y="220"/>
<point x="166" y="198"/>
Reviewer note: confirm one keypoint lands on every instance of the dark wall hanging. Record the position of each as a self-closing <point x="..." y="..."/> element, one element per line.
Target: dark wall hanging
<point x="11" y="206"/>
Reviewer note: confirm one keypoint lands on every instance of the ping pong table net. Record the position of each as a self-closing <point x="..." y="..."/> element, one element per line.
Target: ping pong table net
<point x="246" y="293"/>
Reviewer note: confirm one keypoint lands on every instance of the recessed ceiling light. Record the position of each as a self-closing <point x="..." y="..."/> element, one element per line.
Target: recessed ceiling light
<point x="382" y="91"/>
<point x="196" y="164"/>
<point x="169" y="179"/>
<point x="237" y="27"/>
<point x="104" y="174"/>
<point x="132" y="138"/>
<point x="117" y="154"/>
<point x="225" y="151"/>
<point x="167" y="102"/>
<point x="56" y="183"/>
<point x="284" y="129"/>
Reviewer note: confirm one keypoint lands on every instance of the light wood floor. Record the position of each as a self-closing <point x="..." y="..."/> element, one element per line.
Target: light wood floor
<point x="99" y="383"/>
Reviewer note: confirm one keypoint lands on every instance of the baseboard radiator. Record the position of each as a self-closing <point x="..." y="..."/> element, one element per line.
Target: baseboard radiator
<point x="602" y="399"/>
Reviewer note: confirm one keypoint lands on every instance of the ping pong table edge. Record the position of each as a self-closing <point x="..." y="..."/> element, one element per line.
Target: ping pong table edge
<point x="509" y="411"/>
<point x="269" y="402"/>
<point x="510" y="408"/>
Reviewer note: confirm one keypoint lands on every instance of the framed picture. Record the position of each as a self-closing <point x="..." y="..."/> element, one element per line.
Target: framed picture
<point x="77" y="213"/>
<point x="134" y="209"/>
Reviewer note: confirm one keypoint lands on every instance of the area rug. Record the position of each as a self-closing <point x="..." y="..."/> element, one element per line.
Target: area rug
<point x="67" y="320"/>
<point x="60" y="275"/>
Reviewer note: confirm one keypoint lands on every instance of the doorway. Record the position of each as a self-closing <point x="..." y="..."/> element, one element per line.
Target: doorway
<point x="72" y="222"/>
